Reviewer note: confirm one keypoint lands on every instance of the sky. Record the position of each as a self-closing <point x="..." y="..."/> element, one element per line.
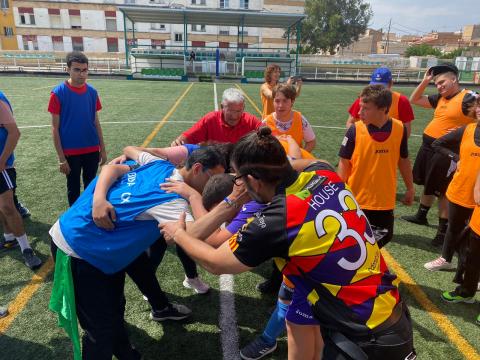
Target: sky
<point x="422" y="16"/>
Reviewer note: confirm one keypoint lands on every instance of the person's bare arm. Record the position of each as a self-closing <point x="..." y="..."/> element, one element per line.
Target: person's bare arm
<point x="405" y="167"/>
<point x="103" y="151"/>
<point x="62" y="161"/>
<point x="10" y="143"/>
<point x="216" y="261"/>
<point x="344" y="169"/>
<point x="417" y="97"/>
<point x="408" y="126"/>
<point x="103" y="212"/>
<point x="310" y="145"/>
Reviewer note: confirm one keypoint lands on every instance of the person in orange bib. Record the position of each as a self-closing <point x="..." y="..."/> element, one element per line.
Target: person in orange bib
<point x="400" y="108"/>
<point x="433" y="170"/>
<point x="285" y="121"/>
<point x="272" y="78"/>
<point x="369" y="156"/>
<point x="460" y="191"/>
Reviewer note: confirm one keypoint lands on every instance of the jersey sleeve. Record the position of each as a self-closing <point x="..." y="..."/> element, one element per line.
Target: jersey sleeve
<point x="198" y="132"/>
<point x="449" y="144"/>
<point x="248" y="210"/>
<point x="354" y="109"/>
<point x="348" y="144"/>
<point x="262" y="237"/>
<point x="405" y="111"/>
<point x="98" y="105"/>
<point x="146" y="158"/>
<point x="433" y="100"/>
<point x="54" y="104"/>
<point x="308" y="133"/>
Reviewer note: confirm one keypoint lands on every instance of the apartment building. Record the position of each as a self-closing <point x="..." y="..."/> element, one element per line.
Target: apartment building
<point x="8" y="40"/>
<point x="97" y="26"/>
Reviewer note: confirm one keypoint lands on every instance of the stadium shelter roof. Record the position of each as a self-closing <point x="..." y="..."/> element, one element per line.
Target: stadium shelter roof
<point x="224" y="17"/>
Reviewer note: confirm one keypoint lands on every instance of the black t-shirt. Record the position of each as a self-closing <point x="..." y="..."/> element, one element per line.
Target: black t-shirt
<point x="466" y="102"/>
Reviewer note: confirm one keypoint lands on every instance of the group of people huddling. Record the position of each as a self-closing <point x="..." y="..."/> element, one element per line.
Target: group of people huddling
<point x="233" y="192"/>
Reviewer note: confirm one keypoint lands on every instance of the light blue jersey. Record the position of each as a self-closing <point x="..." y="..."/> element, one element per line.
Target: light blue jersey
<point x="131" y="195"/>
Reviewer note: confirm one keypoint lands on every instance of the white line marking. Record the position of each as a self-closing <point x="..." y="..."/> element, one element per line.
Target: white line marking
<point x="182" y="122"/>
<point x="227" y="317"/>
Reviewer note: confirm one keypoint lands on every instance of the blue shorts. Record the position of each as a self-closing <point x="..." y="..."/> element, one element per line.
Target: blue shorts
<point x="300" y="311"/>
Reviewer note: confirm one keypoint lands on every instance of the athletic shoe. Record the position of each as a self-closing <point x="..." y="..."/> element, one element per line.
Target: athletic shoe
<point x="415" y="219"/>
<point x="453" y="297"/>
<point x="31" y="260"/>
<point x="22" y="209"/>
<point x="171" y="312"/>
<point x="257" y="349"/>
<point x="6" y="245"/>
<point x="3" y="311"/>
<point x="438" y="240"/>
<point x="196" y="284"/>
<point x="478" y="287"/>
<point x="438" y="264"/>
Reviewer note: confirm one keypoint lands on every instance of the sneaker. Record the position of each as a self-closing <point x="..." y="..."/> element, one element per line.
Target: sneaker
<point x="257" y="349"/>
<point x="31" y="260"/>
<point x="438" y="264"/>
<point x="6" y="245"/>
<point x="171" y="312"/>
<point x="415" y="219"/>
<point x="22" y="209"/>
<point x="438" y="240"/>
<point x="3" y="311"/>
<point x="196" y="284"/>
<point x="453" y="297"/>
<point x="478" y="287"/>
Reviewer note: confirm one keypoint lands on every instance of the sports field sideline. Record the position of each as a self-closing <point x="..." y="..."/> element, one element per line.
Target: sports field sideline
<point x="136" y="112"/>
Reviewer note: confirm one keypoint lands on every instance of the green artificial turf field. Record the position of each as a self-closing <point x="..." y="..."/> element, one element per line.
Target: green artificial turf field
<point x="131" y="110"/>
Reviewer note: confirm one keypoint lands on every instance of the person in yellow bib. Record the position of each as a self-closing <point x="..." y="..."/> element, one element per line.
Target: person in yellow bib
<point x="286" y="121"/>
<point x="433" y="170"/>
<point x="400" y="108"/>
<point x="460" y="191"/>
<point x="272" y="78"/>
<point x="371" y="151"/>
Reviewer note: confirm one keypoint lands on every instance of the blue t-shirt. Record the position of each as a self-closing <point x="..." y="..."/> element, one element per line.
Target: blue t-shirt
<point x="4" y="133"/>
<point x="247" y="211"/>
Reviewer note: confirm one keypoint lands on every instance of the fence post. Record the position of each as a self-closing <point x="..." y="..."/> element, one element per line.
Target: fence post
<point x="398" y="75"/>
<point x="316" y="69"/>
<point x="418" y="75"/>
<point x="336" y="76"/>
<point x="358" y="73"/>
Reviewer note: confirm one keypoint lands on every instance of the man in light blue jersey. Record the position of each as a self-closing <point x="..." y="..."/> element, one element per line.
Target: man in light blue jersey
<point x="110" y="225"/>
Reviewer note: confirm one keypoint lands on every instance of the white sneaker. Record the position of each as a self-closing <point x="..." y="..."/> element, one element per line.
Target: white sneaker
<point x="196" y="284"/>
<point x="438" y="264"/>
<point x="478" y="287"/>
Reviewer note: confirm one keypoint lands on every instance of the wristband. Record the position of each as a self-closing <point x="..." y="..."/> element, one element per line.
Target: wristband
<point x="231" y="203"/>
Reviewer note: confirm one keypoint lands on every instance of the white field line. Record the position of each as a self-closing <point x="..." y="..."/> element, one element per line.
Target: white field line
<point x="181" y="122"/>
<point x="227" y="317"/>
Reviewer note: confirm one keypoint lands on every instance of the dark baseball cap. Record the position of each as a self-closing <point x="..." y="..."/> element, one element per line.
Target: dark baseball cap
<point x="443" y="68"/>
<point x="381" y="76"/>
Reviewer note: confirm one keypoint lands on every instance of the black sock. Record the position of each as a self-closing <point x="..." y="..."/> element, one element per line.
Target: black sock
<point x="442" y="225"/>
<point x="422" y="211"/>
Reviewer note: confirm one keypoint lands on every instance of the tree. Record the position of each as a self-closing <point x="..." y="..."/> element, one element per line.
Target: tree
<point x="333" y="23"/>
<point x="422" y="50"/>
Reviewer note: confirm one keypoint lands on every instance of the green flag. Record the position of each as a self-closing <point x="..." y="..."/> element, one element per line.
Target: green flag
<point x="62" y="301"/>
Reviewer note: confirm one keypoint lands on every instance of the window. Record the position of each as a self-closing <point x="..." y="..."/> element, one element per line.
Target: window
<point x="129" y="1"/>
<point x="57" y="42"/>
<point x="77" y="43"/>
<point x="112" y="44"/>
<point x="30" y="42"/>
<point x="155" y="26"/>
<point x="199" y="2"/>
<point x="243" y="4"/>
<point x="244" y="32"/>
<point x="7" y="31"/>
<point x="178" y="37"/>
<point x="4" y="4"/>
<point x="198" y="43"/>
<point x="224" y="4"/>
<point x="55" y="19"/>
<point x="26" y="16"/>
<point x="242" y="45"/>
<point x="198" y="28"/>
<point x="223" y="44"/>
<point x="223" y="30"/>
<point x="111" y="20"/>
<point x="75" y="20"/>
<point x="158" y="44"/>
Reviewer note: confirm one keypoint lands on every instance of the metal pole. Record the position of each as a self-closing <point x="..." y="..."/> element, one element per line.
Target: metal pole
<point x="125" y="37"/>
<point x="288" y="39"/>
<point x="299" y="35"/>
<point x="241" y="53"/>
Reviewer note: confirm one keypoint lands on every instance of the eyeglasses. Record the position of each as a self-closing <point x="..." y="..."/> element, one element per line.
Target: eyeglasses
<point x="237" y="179"/>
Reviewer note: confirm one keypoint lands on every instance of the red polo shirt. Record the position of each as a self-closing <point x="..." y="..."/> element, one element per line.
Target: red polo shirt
<point x="212" y="128"/>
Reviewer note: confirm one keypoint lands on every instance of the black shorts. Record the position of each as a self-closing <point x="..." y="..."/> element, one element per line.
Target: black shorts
<point x="8" y="180"/>
<point x="431" y="169"/>
<point x="381" y="222"/>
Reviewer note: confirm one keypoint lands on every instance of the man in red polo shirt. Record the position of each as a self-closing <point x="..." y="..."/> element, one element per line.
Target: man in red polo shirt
<point x="227" y="125"/>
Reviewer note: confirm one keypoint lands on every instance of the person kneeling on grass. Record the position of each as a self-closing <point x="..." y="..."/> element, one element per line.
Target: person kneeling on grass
<point x="112" y="223"/>
<point x="323" y="244"/>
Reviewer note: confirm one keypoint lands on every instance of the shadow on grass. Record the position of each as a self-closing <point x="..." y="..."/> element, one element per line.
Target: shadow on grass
<point x="18" y="349"/>
<point x="416" y="242"/>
